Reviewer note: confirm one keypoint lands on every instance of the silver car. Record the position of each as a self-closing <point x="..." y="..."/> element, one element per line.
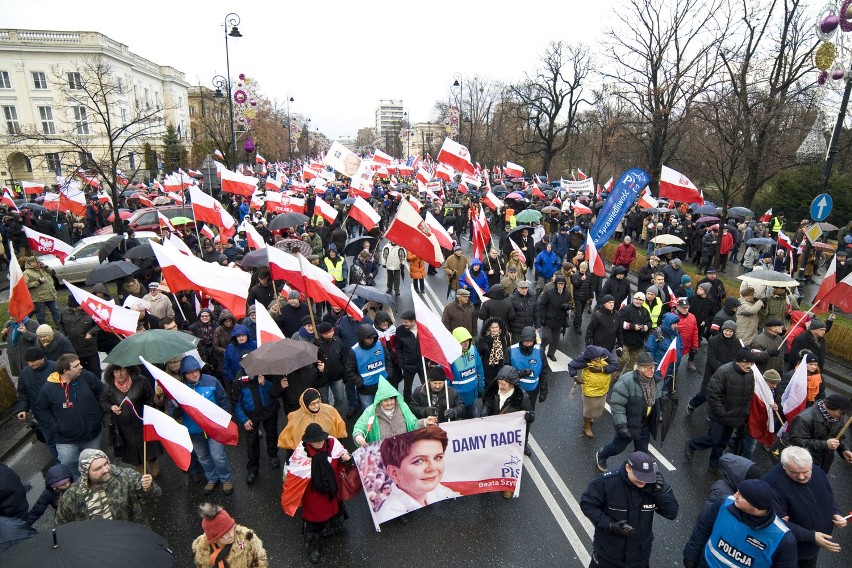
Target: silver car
<point x="84" y="258"/>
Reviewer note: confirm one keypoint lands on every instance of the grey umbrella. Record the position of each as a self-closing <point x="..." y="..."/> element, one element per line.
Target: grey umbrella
<point x="285" y="220"/>
<point x="255" y="259"/>
<point x="740" y="212"/>
<point x="769" y="278"/>
<point x="760" y="242"/>
<point x="109" y="271"/>
<point x="369" y="293"/>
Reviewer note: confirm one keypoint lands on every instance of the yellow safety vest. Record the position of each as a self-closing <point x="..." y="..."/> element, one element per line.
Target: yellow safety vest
<point x="512" y="222"/>
<point x="777" y="225"/>
<point x="655" y="311"/>
<point x="335" y="270"/>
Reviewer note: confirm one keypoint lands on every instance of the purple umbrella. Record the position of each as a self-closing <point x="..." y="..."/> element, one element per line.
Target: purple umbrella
<point x="708" y="219"/>
<point x="514" y="195"/>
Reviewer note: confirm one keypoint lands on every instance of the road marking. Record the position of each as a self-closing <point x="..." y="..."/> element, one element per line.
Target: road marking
<point x="438" y="303"/>
<point x="561" y="519"/>
<point x="566" y="493"/>
<point x="562" y="361"/>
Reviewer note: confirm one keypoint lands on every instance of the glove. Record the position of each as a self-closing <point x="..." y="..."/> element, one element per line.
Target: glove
<point x="673" y="396"/>
<point x="528" y="373"/>
<point x="565" y="306"/>
<point x="618" y="351"/>
<point x="659" y="483"/>
<point x="542" y="397"/>
<point x="774" y="352"/>
<point x="621" y="528"/>
<point x="450" y="414"/>
<point x="624" y="432"/>
<point x="689" y="564"/>
<point x="529" y="417"/>
<point x="692" y="353"/>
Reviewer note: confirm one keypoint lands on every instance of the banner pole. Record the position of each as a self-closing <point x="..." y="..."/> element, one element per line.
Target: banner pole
<point x="426" y="382"/>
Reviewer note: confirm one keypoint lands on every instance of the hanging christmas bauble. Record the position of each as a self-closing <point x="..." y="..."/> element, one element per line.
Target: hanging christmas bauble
<point x="249" y="146"/>
<point x="825" y="55"/>
<point x="240" y="96"/>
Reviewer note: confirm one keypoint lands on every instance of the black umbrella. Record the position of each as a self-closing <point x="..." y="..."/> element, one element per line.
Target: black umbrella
<point x="285" y="220"/>
<point x="141" y="251"/>
<point x="518" y="229"/>
<point x="97" y="542"/>
<point x="369" y="293"/>
<point x="109" y="246"/>
<point x="740" y="212"/>
<point x="255" y="259"/>
<point x="761" y="242"/>
<point x="656" y="210"/>
<point x="354" y="246"/>
<point x="280" y="357"/>
<point x="34" y="207"/>
<point x="110" y="271"/>
<point x="666" y="250"/>
<point x="706" y="209"/>
<point x="668" y="410"/>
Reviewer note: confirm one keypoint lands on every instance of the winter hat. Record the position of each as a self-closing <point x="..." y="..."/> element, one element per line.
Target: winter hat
<point x="711" y="270"/>
<point x="462" y="292"/>
<point x="607" y="298"/>
<point x="215" y="521"/>
<point x="509" y="374"/>
<point x="310" y="395"/>
<point x="644" y="358"/>
<point x="653" y="289"/>
<point x="251" y="310"/>
<point x="773" y="322"/>
<point x="436" y="374"/>
<point x="757" y="492"/>
<point x="408" y="315"/>
<point x="744" y="356"/>
<point x="33" y="354"/>
<point x="639" y="295"/>
<point x="524" y="284"/>
<point x="87" y="456"/>
<point x="684" y="280"/>
<point x="706" y="287"/>
<point x="815" y="324"/>
<point x="293" y="295"/>
<point x="307" y="320"/>
<point x="47" y="331"/>
<point x="838" y="402"/>
<point x="772" y="376"/>
<point x="58" y="475"/>
<point x="677" y="262"/>
<point x="72" y="302"/>
<point x="729" y="324"/>
<point x="314" y="434"/>
<point x="456" y="248"/>
<point x="153" y="285"/>
<point x="642" y="465"/>
<point x="324" y="327"/>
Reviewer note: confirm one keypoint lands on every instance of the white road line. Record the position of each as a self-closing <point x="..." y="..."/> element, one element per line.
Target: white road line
<point x="562" y="364"/>
<point x="432" y="293"/>
<point x="431" y="303"/>
<point x="561" y="519"/>
<point x="566" y="493"/>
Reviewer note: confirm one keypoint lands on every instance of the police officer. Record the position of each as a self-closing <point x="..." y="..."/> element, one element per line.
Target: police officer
<point x="528" y="359"/>
<point x="621" y="504"/>
<point x="365" y="363"/>
<point x="741" y="530"/>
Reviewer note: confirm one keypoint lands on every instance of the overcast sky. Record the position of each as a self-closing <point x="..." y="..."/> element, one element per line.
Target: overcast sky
<point x="336" y="59"/>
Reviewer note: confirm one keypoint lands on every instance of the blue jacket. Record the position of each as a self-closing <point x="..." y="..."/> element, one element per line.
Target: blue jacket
<point x="29" y="384"/>
<point x="561" y="245"/>
<point x="468" y="375"/>
<point x="207" y="386"/>
<point x="255" y="402"/>
<point x="479" y="277"/>
<point x="546" y="263"/>
<point x="235" y="352"/>
<point x="659" y="341"/>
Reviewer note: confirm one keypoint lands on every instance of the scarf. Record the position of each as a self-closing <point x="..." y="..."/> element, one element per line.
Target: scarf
<point x="829" y="419"/>
<point x="322" y="474"/>
<point x="15" y="333"/>
<point x="495" y="357"/>
<point x="219" y="555"/>
<point x="649" y="390"/>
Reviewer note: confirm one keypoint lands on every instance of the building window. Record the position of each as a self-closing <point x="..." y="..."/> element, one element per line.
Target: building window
<point x="39" y="80"/>
<point x="180" y="102"/>
<point x="75" y="81"/>
<point x="147" y="100"/>
<point x="123" y="116"/>
<point x="119" y="84"/>
<point x="10" y="113"/>
<point x="157" y="98"/>
<point x="132" y="159"/>
<point x="53" y="162"/>
<point x="81" y="122"/>
<point x="5" y="83"/>
<point x="45" y="113"/>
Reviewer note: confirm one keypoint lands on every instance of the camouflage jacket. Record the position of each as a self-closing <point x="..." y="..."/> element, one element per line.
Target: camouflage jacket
<point x="124" y="492"/>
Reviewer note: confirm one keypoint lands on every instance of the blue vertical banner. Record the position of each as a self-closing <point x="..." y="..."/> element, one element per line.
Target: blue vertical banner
<point x="623" y="196"/>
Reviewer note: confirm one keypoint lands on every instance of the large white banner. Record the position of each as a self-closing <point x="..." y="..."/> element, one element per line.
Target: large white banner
<point x="582" y="186"/>
<point x="342" y="160"/>
<point x="454" y="459"/>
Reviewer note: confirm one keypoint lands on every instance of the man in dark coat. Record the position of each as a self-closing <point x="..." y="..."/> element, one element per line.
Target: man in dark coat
<point x="460" y="312"/>
<point x="636" y="323"/>
<point x="729" y="395"/>
<point x="617" y="286"/>
<point x="621" y="505"/>
<point x="554" y="305"/>
<point x="263" y="291"/>
<point x="331" y="354"/>
<point x="408" y="353"/>
<point x="703" y="308"/>
<point x="813" y="340"/>
<point x="498" y="305"/>
<point x="728" y="312"/>
<point x="604" y="329"/>
<point x="82" y="332"/>
<point x="717" y="287"/>
<point x="816" y="429"/>
<point x="526" y="311"/>
<point x="721" y="349"/>
<point x="646" y="273"/>
<point x="430" y="399"/>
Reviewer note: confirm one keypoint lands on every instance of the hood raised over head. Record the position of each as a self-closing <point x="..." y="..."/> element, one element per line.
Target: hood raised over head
<point x="239" y="329"/>
<point x="496" y="292"/>
<point x="225" y="314"/>
<point x="189" y="363"/>
<point x="365" y="332"/>
<point x="475" y="263"/>
<point x="668" y="319"/>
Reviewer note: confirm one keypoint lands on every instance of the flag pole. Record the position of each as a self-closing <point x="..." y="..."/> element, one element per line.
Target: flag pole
<point x="144" y="456"/>
<point x="447" y="396"/>
<point x="426" y="382"/>
<point x="311" y="313"/>
<point x="839" y="435"/>
<point x="177" y="303"/>
<point x="349" y="301"/>
<point x="800" y="321"/>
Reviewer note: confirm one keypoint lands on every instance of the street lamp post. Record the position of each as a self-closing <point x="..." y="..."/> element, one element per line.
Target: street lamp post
<point x="223" y="89"/>
<point x="458" y="83"/>
<point x="289" y="133"/>
<point x="232" y="20"/>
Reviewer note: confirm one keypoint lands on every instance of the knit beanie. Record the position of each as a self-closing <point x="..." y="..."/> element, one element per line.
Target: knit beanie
<point x="44" y="329"/>
<point x="757" y="492"/>
<point x="309" y="396"/>
<point x="706" y="287"/>
<point x="215" y="521"/>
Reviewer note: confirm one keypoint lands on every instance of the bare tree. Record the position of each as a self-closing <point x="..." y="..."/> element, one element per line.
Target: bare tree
<point x="603" y="144"/>
<point x="550" y="100"/>
<point x="100" y="127"/>
<point x="664" y="54"/>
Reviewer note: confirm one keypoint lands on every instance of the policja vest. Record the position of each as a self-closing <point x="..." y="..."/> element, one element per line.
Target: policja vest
<point x="733" y="544"/>
<point x="371" y="362"/>
<point x="522" y="362"/>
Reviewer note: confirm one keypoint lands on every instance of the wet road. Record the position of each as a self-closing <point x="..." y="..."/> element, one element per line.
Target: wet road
<point x="543" y="527"/>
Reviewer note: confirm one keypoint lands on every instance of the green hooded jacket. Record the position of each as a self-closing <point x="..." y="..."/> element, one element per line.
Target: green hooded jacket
<point x="384" y="391"/>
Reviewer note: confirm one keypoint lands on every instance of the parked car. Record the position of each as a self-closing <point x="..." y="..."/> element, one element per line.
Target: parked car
<point x="145" y="219"/>
<point x="84" y="258"/>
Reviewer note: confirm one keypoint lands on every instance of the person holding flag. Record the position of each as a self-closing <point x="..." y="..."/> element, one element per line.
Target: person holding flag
<point x="818" y="430"/>
<point x="475" y="280"/>
<point x="658" y="345"/>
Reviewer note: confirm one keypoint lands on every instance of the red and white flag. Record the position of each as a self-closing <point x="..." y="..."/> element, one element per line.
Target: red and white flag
<point x="218" y="154"/>
<point x="444" y="238"/>
<point x="32" y="188"/>
<point x="237" y="183"/>
<point x="72" y="198"/>
<point x="829" y="281"/>
<point x="415" y="203"/>
<point x="206" y="231"/>
<point x="104" y="198"/>
<point x="382" y="158"/>
<point x="492" y="201"/>
<point x="109" y="317"/>
<point x="267" y="330"/>
<point x="444" y="172"/>
<point x="675" y="185"/>
<point x="298" y="475"/>
<point x="765" y="218"/>
<point x="761" y="418"/>
<point x="45" y="244"/>
<point x="454" y="154"/>
<point x="175" y="196"/>
<point x="284" y="266"/>
<point x="253" y="238"/>
<point x="258" y="159"/>
<point x="273" y="183"/>
<point x="88" y="180"/>
<point x="51" y="201"/>
<point x="209" y="210"/>
<point x="610" y="182"/>
<point x="784" y="241"/>
<point x="513" y="170"/>
<point x="214" y="420"/>
<point x="646" y="200"/>
<point x="143" y="199"/>
<point x="164" y="222"/>
<point x="409" y="231"/>
<point x="423" y="177"/>
<point x="672" y="298"/>
<point x="841" y="295"/>
<point x="319" y="288"/>
<point x="20" y="300"/>
<point x="473" y="285"/>
<point x="595" y="261"/>
<point x="178" y="243"/>
<point x="436" y="342"/>
<point x="669" y="358"/>
<point x="795" y="397"/>
<point x="174" y="437"/>
<point x="8" y="200"/>
<point x="581" y="175"/>
<point x="325" y="211"/>
<point x="580" y="209"/>
<point x="362" y="212"/>
<point x="227" y="286"/>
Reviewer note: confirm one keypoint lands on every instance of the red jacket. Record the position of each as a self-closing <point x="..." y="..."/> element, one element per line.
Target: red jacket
<point x="318" y="507"/>
<point x="624" y="255"/>
<point x="727" y="243"/>
<point x="688" y="329"/>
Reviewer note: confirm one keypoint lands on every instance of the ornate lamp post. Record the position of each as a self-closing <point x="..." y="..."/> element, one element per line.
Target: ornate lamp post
<point x="232" y="20"/>
<point x="289" y="133"/>
<point x="458" y="84"/>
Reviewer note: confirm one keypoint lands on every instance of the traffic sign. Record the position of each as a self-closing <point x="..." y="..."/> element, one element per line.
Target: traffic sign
<point x="821" y="207"/>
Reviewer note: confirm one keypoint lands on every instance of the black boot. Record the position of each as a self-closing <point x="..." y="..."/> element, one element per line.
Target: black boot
<point x="314" y="548"/>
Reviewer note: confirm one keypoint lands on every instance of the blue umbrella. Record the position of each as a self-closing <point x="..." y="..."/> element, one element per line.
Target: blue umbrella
<point x="348" y="201"/>
<point x="706" y="209"/>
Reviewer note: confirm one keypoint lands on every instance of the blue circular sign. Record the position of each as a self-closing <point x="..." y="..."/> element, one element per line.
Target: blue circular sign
<point x="821" y="207"/>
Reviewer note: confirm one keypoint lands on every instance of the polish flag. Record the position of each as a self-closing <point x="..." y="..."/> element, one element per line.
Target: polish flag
<point x="517" y="248"/>
<point x="290" y="204"/>
<point x="454" y="154"/>
<point x="20" y="300"/>
<point x="765" y="218"/>
<point x="581" y="175"/>
<point x="109" y="317"/>
<point x="646" y="200"/>
<point x="72" y="198"/>
<point x="536" y="192"/>
<point x="218" y="154"/>
<point x="171" y="183"/>
<point x="594" y="259"/>
<point x="253" y="238"/>
<point x="51" y="201"/>
<point x="409" y="231"/>
<point x="143" y="199"/>
<point x="319" y="288"/>
<point x="206" y="231"/>
<point x="444" y="238"/>
<point x="829" y="281"/>
<point x="784" y="241"/>
<point x="158" y="186"/>
<point x="416" y="203"/>
<point x="207" y="209"/>
<point x="672" y="298"/>
<point x="795" y="397"/>
<point x="355" y="191"/>
<point x="423" y="176"/>
<point x="238" y="184"/>
<point x="462" y="187"/>
<point x="214" y="420"/>
<point x="299" y="475"/>
<point x="258" y="159"/>
<point x="273" y="183"/>
<point x="608" y="185"/>
<point x="89" y="181"/>
<point x="364" y="214"/>
<point x="267" y="330"/>
<point x="444" y="172"/>
<point x="436" y="342"/>
<point x="284" y="266"/>
<point x="8" y="201"/>
<point x="580" y="209"/>
<point x="32" y="188"/>
<point x="104" y="198"/>
<point x="513" y="170"/>
<point x="675" y="185"/>
<point x="174" y="196"/>
<point x="226" y="286"/>
<point x="841" y="295"/>
<point x="160" y="427"/>
<point x="761" y="419"/>
<point x="382" y="158"/>
<point x="164" y="222"/>
<point x="471" y="180"/>
<point x="45" y="244"/>
<point x="325" y="211"/>
<point x="492" y="201"/>
<point x="668" y="359"/>
<point x="472" y="283"/>
<point x="176" y="242"/>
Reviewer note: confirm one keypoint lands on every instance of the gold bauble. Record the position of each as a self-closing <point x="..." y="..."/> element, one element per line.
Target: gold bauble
<point x="824" y="56"/>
